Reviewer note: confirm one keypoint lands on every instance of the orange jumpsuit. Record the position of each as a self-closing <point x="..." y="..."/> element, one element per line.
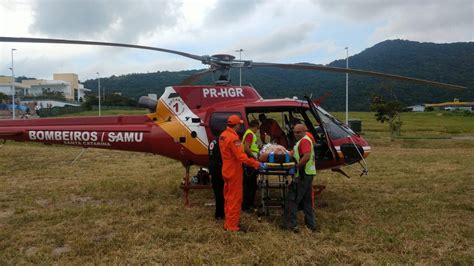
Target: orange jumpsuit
<point x="233" y="156"/>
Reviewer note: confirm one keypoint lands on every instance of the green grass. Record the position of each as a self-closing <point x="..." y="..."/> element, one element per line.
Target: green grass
<point x="427" y="124"/>
<point x="415" y="206"/>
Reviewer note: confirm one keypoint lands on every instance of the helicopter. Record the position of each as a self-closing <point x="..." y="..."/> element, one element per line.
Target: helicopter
<point x="186" y="117"/>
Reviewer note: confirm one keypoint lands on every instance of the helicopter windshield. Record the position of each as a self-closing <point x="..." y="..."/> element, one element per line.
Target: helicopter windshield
<point x="334" y="128"/>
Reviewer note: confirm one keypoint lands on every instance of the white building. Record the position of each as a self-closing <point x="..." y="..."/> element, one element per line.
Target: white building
<point x="65" y="84"/>
<point x="6" y="86"/>
<point x="415" y="108"/>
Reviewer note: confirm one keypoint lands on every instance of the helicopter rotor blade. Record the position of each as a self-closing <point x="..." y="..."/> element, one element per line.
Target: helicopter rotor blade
<point x="224" y="62"/>
<point x="358" y="72"/>
<point x="195" y="77"/>
<point x="63" y="41"/>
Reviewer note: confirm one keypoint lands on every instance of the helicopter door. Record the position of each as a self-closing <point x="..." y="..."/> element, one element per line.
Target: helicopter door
<point x="324" y="147"/>
<point x="336" y="130"/>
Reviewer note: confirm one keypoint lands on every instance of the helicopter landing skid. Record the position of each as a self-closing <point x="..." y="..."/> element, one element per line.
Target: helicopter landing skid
<point x="187" y="185"/>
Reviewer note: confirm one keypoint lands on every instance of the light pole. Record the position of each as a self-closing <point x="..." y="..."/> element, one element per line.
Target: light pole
<point x="347" y="86"/>
<point x="240" y="69"/>
<point x="98" y="80"/>
<point x="13" y="87"/>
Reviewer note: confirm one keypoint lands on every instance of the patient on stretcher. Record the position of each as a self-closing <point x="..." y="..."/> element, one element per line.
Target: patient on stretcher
<point x="274" y="153"/>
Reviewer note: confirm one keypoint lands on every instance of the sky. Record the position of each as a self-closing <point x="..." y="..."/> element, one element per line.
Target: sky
<point x="281" y="31"/>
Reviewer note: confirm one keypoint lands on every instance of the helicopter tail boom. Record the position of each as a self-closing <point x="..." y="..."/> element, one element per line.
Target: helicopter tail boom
<point x="131" y="133"/>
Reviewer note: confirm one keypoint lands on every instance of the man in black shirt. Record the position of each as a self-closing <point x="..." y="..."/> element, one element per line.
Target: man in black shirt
<point x="215" y="170"/>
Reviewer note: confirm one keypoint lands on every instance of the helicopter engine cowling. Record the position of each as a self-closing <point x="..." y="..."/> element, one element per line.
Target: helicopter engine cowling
<point x="147" y="102"/>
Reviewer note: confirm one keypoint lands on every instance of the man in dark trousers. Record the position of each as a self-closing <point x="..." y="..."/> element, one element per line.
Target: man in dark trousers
<point x="300" y="189"/>
<point x="215" y="170"/>
<point x="250" y="174"/>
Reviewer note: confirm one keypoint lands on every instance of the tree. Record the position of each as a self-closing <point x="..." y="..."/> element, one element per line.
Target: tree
<point x="119" y="100"/>
<point x="90" y="100"/>
<point x="3" y="97"/>
<point x="388" y="112"/>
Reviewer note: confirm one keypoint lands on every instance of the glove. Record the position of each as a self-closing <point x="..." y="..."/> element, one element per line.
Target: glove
<point x="292" y="171"/>
<point x="262" y="167"/>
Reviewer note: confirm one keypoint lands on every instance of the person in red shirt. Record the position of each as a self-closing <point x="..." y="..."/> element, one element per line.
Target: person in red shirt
<point x="300" y="189"/>
<point x="270" y="127"/>
<point x="291" y="136"/>
<point x="233" y="156"/>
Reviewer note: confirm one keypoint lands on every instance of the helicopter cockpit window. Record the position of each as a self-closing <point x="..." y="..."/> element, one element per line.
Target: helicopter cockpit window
<point x="218" y="123"/>
<point x="335" y="128"/>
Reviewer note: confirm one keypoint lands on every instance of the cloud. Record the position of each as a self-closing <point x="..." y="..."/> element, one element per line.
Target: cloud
<point x="281" y="42"/>
<point x="231" y="11"/>
<point x="268" y="30"/>
<point x="117" y="20"/>
<point x="418" y="20"/>
<point x="432" y="23"/>
<point x="362" y="10"/>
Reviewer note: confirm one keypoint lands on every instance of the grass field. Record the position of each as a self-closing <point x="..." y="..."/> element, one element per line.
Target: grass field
<point x="415" y="206"/>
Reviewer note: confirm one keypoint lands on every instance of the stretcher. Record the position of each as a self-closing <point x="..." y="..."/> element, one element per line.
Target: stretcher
<point x="272" y="184"/>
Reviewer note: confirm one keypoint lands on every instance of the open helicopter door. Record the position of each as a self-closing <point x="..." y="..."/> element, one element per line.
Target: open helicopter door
<point x="344" y="144"/>
<point x="324" y="146"/>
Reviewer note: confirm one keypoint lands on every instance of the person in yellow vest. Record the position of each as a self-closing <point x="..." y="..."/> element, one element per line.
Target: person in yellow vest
<point x="250" y="174"/>
<point x="300" y="189"/>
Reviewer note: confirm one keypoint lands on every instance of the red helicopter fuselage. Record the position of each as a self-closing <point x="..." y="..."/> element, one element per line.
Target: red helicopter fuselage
<point x="183" y="122"/>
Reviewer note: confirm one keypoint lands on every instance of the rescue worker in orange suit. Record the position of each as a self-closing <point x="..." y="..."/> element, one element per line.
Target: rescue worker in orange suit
<point x="233" y="156"/>
<point x="215" y="170"/>
<point x="271" y="128"/>
<point x="250" y="174"/>
<point x="300" y="189"/>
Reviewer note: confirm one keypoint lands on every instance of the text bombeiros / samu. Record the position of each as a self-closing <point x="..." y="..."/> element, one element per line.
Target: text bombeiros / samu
<point x="85" y="136"/>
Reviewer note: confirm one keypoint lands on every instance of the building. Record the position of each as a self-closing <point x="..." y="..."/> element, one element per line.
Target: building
<point x="415" y="108"/>
<point x="451" y="106"/>
<point x="65" y="84"/>
<point x="6" y="86"/>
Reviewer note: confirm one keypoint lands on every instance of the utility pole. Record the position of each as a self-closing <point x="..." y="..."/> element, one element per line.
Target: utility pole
<point x="13" y="87"/>
<point x="98" y="80"/>
<point x="240" y="69"/>
<point x="347" y="86"/>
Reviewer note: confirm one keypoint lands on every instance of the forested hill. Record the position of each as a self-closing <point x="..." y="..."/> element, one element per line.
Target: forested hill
<point x="449" y="63"/>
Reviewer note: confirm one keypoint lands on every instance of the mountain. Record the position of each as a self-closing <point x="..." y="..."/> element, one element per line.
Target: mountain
<point x="449" y="63"/>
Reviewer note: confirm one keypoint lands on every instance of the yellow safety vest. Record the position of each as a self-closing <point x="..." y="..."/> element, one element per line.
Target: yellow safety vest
<point x="253" y="146"/>
<point x="310" y="168"/>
